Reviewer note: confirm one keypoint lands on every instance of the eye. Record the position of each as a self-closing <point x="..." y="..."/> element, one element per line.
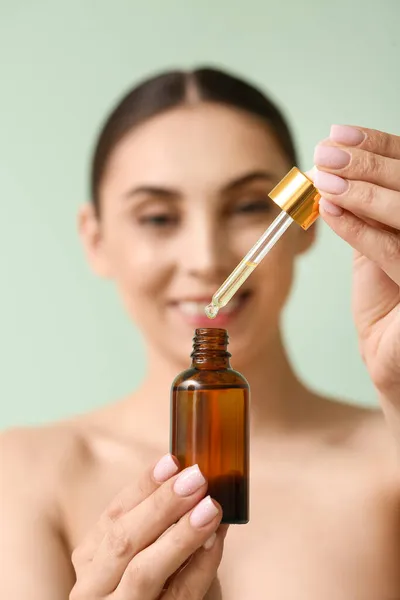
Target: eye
<point x="254" y="205"/>
<point x="160" y="220"/>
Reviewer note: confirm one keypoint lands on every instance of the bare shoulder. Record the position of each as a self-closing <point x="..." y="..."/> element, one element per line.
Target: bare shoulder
<point x="34" y="454"/>
<point x="360" y="430"/>
<point x="373" y="437"/>
<point x="32" y="549"/>
<point x="47" y="459"/>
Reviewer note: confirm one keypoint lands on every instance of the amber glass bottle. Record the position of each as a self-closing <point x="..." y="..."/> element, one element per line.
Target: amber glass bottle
<point x="210" y="423"/>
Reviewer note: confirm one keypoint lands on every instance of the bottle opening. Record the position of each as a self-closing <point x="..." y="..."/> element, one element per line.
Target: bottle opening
<point x="210" y="344"/>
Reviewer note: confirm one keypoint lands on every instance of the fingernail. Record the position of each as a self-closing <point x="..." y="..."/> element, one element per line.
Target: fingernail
<point x="189" y="481"/>
<point x="331" y="157"/>
<point x="332" y="184"/>
<point x="344" y="134"/>
<point x="310" y="173"/>
<point x="330" y="208"/>
<point x="203" y="513"/>
<point x="165" y="468"/>
<point x="210" y="542"/>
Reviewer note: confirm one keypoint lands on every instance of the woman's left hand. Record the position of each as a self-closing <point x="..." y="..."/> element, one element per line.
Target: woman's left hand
<point x="358" y="176"/>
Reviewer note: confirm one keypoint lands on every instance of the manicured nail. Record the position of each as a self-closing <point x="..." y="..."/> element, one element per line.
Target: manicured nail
<point x="331" y="157"/>
<point x="330" y="208"/>
<point x="210" y="542"/>
<point x="310" y="173"/>
<point x="331" y="184"/>
<point x="349" y="136"/>
<point x="189" y="481"/>
<point x="165" y="468"/>
<point x="203" y="513"/>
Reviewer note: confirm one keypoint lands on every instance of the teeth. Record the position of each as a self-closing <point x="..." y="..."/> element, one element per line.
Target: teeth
<point x="193" y="309"/>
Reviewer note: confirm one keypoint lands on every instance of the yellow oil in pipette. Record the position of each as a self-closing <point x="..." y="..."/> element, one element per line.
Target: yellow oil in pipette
<point x="298" y="198"/>
<point x="248" y="264"/>
<point x="229" y="287"/>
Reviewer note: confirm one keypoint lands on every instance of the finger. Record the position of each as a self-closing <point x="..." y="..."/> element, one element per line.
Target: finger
<point x="382" y="247"/>
<point x="374" y="296"/>
<point x="357" y="164"/>
<point x="372" y="140"/>
<point x="145" y="523"/>
<point x="126" y="500"/>
<point x="222" y="530"/>
<point x="146" y="573"/>
<point x="362" y="199"/>
<point x="196" y="579"/>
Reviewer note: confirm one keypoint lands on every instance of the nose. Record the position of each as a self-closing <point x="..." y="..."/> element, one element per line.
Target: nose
<point x="206" y="252"/>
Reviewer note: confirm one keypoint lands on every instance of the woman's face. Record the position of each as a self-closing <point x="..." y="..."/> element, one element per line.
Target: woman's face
<point x="183" y="199"/>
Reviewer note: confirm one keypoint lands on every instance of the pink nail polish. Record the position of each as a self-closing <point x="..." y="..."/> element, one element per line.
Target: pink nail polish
<point x="210" y="542"/>
<point x="165" y="468"/>
<point x="189" y="481"/>
<point x="331" y="157"/>
<point x="203" y="513"/>
<point x="331" y="209"/>
<point x="331" y="184"/>
<point x="349" y="136"/>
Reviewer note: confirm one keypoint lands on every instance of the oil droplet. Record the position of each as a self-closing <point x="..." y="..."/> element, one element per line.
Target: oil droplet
<point x="211" y="311"/>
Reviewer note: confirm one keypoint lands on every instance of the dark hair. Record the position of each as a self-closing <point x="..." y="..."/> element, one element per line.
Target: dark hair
<point x="168" y="90"/>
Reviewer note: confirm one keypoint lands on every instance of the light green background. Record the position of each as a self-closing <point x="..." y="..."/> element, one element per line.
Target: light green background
<point x="65" y="343"/>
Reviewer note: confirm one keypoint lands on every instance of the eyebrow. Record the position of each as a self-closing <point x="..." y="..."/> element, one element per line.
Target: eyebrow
<point x="152" y="190"/>
<point x="249" y="178"/>
<point x="163" y="192"/>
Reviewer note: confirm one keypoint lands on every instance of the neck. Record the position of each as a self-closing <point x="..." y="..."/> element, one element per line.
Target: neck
<point x="278" y="398"/>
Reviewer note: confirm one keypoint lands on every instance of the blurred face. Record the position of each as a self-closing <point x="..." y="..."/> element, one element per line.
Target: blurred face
<point x="183" y="199"/>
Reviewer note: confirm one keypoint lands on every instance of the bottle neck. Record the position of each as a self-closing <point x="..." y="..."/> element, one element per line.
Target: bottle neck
<point x="210" y="349"/>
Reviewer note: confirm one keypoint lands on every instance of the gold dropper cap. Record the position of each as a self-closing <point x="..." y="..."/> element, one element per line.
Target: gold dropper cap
<point x="296" y="195"/>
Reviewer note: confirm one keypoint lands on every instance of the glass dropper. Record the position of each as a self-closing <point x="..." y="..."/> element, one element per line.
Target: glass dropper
<point x="298" y="198"/>
<point x="248" y="264"/>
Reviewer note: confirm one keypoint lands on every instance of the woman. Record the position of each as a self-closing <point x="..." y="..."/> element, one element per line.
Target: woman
<point x="180" y="178"/>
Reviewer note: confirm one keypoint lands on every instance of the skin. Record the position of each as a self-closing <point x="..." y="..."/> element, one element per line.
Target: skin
<point x="324" y="475"/>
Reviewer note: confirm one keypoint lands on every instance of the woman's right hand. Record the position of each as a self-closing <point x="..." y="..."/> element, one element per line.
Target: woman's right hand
<point x="146" y="534"/>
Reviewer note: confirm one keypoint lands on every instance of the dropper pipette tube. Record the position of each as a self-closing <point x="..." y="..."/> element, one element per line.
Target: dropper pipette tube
<point x="296" y="195"/>
<point x="246" y="266"/>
